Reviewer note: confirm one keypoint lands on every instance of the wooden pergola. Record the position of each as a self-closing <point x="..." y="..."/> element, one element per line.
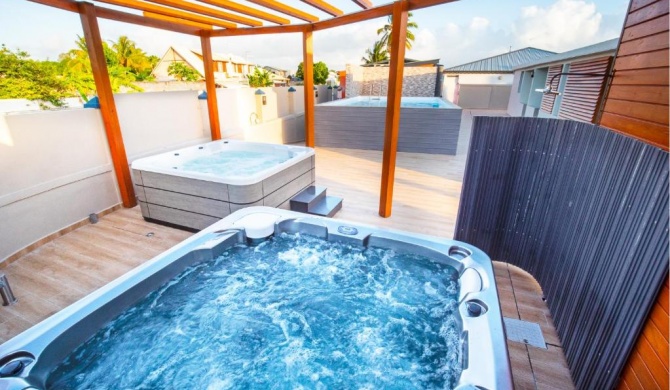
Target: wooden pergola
<point x="214" y="20"/>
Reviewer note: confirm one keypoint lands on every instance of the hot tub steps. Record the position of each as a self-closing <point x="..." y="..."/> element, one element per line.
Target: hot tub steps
<point x="313" y="200"/>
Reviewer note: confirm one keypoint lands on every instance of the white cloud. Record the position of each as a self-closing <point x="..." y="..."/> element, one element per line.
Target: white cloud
<point x="479" y="23"/>
<point x="563" y="25"/>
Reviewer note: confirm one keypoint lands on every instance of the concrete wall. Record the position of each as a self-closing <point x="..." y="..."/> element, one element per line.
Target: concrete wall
<point x="55" y="170"/>
<point x="55" y="166"/>
<point x="485" y="97"/>
<point x="373" y="81"/>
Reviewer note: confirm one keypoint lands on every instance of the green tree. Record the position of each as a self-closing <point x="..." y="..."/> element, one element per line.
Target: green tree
<point x="22" y="77"/>
<point x="385" y="32"/>
<point x="183" y="72"/>
<point x="260" y="78"/>
<point x="76" y="68"/>
<point x="377" y="54"/>
<point x="128" y="55"/>
<point x="319" y="73"/>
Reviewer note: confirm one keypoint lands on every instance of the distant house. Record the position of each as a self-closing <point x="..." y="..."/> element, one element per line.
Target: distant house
<point x="228" y="69"/>
<point x="486" y="83"/>
<point x="574" y="94"/>
<point x="279" y="76"/>
<point x="409" y="62"/>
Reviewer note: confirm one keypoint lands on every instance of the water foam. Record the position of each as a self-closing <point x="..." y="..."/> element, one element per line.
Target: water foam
<point x="293" y="312"/>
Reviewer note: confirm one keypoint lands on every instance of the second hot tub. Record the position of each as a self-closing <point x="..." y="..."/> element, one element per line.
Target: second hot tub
<point x="197" y="186"/>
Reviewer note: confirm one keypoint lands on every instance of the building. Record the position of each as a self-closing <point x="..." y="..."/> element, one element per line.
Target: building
<point x="486" y="83"/>
<point x="420" y="78"/>
<point x="280" y="77"/>
<point x="578" y="81"/>
<point x="229" y="69"/>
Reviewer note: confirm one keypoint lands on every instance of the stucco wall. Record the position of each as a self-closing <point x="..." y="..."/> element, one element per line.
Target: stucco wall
<point x="55" y="166"/>
<point x="373" y="81"/>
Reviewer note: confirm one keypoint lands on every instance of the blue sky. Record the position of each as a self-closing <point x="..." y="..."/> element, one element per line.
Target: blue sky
<point x="456" y="33"/>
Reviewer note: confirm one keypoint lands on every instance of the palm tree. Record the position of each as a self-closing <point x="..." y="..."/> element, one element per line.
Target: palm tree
<point x="377" y="54"/>
<point x="388" y="27"/>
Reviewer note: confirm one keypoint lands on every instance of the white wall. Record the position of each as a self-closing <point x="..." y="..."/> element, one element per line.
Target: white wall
<point x="154" y="122"/>
<point x="486" y="79"/>
<point x="55" y="166"/>
<point x="514" y="107"/>
<point x="55" y="170"/>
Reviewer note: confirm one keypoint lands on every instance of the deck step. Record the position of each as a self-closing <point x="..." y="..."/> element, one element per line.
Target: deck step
<point x="313" y="200"/>
<point x="308" y="198"/>
<point x="327" y="207"/>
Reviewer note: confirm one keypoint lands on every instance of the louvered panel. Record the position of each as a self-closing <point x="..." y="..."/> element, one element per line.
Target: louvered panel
<point x="548" y="99"/>
<point x="582" y="93"/>
<point x="585" y="211"/>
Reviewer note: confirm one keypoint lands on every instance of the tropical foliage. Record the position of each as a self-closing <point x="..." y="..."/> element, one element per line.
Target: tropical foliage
<point x="182" y="72"/>
<point x="260" y="78"/>
<point x="320" y="73"/>
<point x="385" y="32"/>
<point x="71" y="75"/>
<point x="377" y="54"/>
<point x="22" y="77"/>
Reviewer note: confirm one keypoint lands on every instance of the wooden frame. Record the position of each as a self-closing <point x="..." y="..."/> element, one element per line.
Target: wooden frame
<point x="396" y="67"/>
<point x="110" y="119"/>
<point x="212" y="102"/>
<point x="194" y="19"/>
<point x="308" y="83"/>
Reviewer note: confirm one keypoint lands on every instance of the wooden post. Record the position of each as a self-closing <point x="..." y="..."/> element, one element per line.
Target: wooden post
<point x="308" y="78"/>
<point x="212" y="105"/>
<point x="396" y="67"/>
<point x="110" y="118"/>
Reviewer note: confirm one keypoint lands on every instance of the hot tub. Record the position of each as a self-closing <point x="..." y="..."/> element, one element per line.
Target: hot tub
<point x="273" y="298"/>
<point x="427" y="124"/>
<point x="197" y="186"/>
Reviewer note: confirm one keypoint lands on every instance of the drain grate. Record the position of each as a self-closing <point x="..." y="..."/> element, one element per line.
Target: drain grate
<point x="524" y="332"/>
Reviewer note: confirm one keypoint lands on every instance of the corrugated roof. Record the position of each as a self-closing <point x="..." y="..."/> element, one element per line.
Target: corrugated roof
<point x="598" y="48"/>
<point x="502" y="63"/>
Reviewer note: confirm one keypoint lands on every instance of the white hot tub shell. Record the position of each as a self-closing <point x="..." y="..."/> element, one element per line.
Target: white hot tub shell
<point x="169" y="193"/>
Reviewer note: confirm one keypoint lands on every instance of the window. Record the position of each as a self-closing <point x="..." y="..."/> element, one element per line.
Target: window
<point x="518" y="89"/>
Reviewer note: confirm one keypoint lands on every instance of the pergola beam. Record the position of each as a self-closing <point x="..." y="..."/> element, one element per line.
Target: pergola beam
<point x="202" y="10"/>
<point x="106" y="13"/>
<point x="392" y="124"/>
<point x="210" y="85"/>
<point x="365" y="4"/>
<point x="294" y="28"/>
<point x="197" y="25"/>
<point x="243" y="9"/>
<point x="325" y="7"/>
<point x="308" y="84"/>
<point x="110" y="118"/>
<point x="170" y="12"/>
<point x="285" y="9"/>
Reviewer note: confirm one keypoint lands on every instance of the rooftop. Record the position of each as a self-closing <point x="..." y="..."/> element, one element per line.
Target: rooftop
<point x="427" y="195"/>
<point x="605" y="47"/>
<point x="502" y="63"/>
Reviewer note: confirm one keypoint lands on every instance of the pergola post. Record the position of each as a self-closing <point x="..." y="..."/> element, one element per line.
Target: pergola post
<point x="110" y="118"/>
<point x="308" y="83"/>
<point x="391" y="127"/>
<point x="212" y="105"/>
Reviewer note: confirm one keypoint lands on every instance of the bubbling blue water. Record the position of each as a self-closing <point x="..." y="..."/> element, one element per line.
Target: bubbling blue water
<point x="293" y="312"/>
<point x="233" y="163"/>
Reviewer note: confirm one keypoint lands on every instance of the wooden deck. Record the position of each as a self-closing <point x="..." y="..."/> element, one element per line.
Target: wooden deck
<point x="426" y="201"/>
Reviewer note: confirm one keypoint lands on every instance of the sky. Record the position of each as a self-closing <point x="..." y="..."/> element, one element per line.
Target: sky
<point x="456" y="33"/>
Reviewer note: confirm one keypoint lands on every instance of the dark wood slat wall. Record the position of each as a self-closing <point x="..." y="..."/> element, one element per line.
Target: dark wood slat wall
<point x="637" y="103"/>
<point x="549" y="99"/>
<point x="582" y="93"/>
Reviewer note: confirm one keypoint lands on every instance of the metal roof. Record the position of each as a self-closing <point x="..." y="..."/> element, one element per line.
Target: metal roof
<point x="502" y="63"/>
<point x="598" y="48"/>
